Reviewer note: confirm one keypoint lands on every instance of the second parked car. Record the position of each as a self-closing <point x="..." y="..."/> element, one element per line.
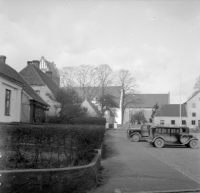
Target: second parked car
<point x="137" y="134"/>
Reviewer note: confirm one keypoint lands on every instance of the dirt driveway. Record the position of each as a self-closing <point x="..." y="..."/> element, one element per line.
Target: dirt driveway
<point x="139" y="167"/>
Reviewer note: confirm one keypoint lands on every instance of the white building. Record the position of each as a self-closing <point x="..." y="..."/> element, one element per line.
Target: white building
<point x="43" y="85"/>
<point x="18" y="101"/>
<point x="169" y="115"/>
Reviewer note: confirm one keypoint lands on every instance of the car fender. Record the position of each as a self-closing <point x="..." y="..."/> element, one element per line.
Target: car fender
<point x="157" y="138"/>
<point x="190" y="140"/>
<point x="135" y="133"/>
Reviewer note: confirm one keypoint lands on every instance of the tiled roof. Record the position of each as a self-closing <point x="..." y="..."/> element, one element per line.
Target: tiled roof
<point x="34" y="76"/>
<point x="31" y="76"/>
<point x="13" y="74"/>
<point x="171" y="110"/>
<point x="147" y="100"/>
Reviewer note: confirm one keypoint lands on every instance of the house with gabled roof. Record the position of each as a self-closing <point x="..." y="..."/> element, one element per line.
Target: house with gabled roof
<point x="19" y="102"/>
<point x="43" y="85"/>
<point x="169" y="115"/>
<point x="92" y="109"/>
<point x="144" y="103"/>
<point x="134" y="102"/>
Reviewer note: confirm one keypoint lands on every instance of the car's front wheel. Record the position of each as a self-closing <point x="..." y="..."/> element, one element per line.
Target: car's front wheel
<point x="159" y="143"/>
<point x="135" y="138"/>
<point x="193" y="144"/>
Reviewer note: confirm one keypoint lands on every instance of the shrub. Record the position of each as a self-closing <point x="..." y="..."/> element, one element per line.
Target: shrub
<point x="89" y="121"/>
<point x="48" y="146"/>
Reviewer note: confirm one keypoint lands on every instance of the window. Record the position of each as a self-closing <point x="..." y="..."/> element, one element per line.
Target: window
<point x="193" y="105"/>
<point x="194" y="114"/>
<point x="163" y="130"/>
<point x="7" y="102"/>
<point x="183" y="122"/>
<point x="193" y="122"/>
<point x="162" y="122"/>
<point x="173" y="122"/>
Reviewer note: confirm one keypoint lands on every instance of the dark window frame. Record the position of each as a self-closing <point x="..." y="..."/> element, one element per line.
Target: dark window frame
<point x="7" y="102"/>
<point x="193" y="122"/>
<point x="173" y="122"/>
<point x="183" y="122"/>
<point x="193" y="114"/>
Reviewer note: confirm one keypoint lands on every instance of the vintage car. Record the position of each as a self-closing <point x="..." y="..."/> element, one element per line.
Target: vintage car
<point x="137" y="134"/>
<point x="163" y="135"/>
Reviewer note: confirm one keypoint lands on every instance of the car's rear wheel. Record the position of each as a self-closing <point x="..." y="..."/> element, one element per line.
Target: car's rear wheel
<point x="193" y="144"/>
<point x="135" y="138"/>
<point x="159" y="143"/>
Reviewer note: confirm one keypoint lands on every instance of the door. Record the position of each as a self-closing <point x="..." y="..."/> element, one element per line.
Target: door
<point x="174" y="135"/>
<point x="145" y="131"/>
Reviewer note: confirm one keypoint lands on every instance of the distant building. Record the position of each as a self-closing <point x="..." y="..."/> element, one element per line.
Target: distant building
<point x="18" y="101"/>
<point x="144" y="103"/>
<point x="43" y="85"/>
<point x="135" y="103"/>
<point x="92" y="109"/>
<point x="50" y="69"/>
<point x="169" y="115"/>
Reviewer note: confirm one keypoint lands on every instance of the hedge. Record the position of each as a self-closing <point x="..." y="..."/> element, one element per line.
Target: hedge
<point x="48" y="146"/>
<point x="79" y="120"/>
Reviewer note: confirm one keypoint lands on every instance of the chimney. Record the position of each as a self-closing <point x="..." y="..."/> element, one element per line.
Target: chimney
<point x="49" y="74"/>
<point x="36" y="63"/>
<point x="2" y="59"/>
<point x="29" y="62"/>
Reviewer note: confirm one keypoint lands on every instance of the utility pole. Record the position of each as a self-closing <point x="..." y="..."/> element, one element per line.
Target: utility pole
<point x="180" y="95"/>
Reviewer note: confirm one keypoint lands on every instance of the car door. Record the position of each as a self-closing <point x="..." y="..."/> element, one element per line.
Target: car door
<point x="174" y="135"/>
<point x="145" y="131"/>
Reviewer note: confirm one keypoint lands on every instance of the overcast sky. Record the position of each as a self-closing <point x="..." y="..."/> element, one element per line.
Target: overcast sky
<point x="155" y="40"/>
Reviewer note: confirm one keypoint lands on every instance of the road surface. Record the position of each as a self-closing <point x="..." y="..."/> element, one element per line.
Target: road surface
<point x="139" y="167"/>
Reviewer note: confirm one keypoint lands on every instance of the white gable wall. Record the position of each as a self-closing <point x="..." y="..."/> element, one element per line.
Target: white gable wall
<point x="131" y="111"/>
<point x="193" y="106"/>
<point x="54" y="106"/>
<point x="15" y="101"/>
<point x="91" y="112"/>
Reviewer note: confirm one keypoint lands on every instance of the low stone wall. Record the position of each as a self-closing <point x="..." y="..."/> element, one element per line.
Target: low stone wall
<point x="58" y="180"/>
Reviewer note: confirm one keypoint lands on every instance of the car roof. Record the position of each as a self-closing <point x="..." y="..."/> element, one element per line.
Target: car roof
<point x="171" y="127"/>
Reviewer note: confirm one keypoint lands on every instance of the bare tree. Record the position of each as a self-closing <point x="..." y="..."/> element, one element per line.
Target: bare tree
<point x="128" y="87"/>
<point x="104" y="75"/>
<point x="67" y="76"/>
<point x="86" y="78"/>
<point x="197" y="84"/>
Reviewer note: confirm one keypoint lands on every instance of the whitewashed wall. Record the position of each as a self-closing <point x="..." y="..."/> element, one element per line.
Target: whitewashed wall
<point x="53" y="110"/>
<point x="15" y="102"/>
<point x="190" y="110"/>
<point x="167" y="120"/>
<point x="91" y="112"/>
<point x="25" y="108"/>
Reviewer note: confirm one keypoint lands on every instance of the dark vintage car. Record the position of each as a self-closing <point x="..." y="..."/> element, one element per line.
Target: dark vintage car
<point x="163" y="135"/>
<point x="137" y="134"/>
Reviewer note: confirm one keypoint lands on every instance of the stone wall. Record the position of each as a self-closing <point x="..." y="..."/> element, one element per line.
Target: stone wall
<point x="68" y="180"/>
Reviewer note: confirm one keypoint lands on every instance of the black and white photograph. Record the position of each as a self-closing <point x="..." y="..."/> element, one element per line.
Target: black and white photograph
<point x="99" y="96"/>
